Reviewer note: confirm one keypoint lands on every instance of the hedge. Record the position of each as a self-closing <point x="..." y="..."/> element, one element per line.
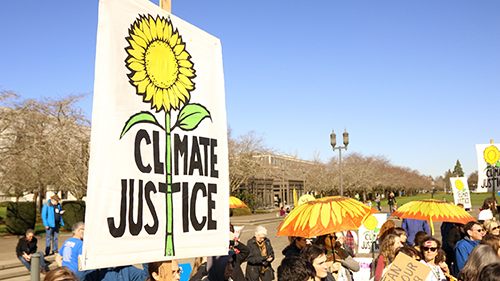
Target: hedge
<point x="74" y="211"/>
<point x="20" y="217"/>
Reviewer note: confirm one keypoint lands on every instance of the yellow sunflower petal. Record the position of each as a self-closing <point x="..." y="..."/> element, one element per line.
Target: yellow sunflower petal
<point x="150" y="91"/>
<point x="325" y="215"/>
<point x="179" y="48"/>
<point x="144" y="26"/>
<point x="183" y="56"/>
<point x="180" y="88"/>
<point x="185" y="63"/>
<point x="167" y="31"/>
<point x="152" y="27"/>
<point x="139" y="33"/>
<point x="173" y="39"/>
<point x="138" y="54"/>
<point x="136" y="66"/>
<point x="139" y="40"/>
<point x="141" y="87"/>
<point x="184" y="80"/>
<point x="138" y="76"/>
<point x="188" y="72"/>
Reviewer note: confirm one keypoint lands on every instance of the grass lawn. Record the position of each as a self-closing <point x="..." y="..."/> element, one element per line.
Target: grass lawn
<point x="476" y="198"/>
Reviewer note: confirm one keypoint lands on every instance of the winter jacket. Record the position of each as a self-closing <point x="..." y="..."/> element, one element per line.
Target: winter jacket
<point x="25" y="246"/>
<point x="257" y="265"/>
<point x="49" y="215"/>
<point x="462" y="251"/>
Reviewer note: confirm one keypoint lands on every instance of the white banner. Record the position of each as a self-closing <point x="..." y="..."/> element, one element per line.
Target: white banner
<point x="488" y="167"/>
<point x="461" y="192"/>
<point x="368" y="232"/>
<point x="158" y="176"/>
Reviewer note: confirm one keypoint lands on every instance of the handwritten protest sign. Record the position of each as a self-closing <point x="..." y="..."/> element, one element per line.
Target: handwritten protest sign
<point x="158" y="176"/>
<point x="368" y="233"/>
<point x="404" y="268"/>
<point x="461" y="192"/>
<point x="488" y="167"/>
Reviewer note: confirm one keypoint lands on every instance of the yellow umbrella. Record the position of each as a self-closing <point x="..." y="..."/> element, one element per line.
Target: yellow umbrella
<point x="323" y="216"/>
<point x="433" y="210"/>
<point x="295" y="198"/>
<point x="235" y="203"/>
<point x="305" y="198"/>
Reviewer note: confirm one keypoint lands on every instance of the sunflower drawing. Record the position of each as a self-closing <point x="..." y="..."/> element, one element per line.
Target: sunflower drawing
<point x="162" y="72"/>
<point x="491" y="155"/>
<point x="161" y="68"/>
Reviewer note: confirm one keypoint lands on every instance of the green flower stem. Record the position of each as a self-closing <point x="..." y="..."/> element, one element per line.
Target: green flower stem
<point x="169" y="239"/>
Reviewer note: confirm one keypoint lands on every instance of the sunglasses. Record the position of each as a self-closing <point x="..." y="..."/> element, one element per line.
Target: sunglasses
<point x="432" y="249"/>
<point x="495" y="228"/>
<point x="479" y="230"/>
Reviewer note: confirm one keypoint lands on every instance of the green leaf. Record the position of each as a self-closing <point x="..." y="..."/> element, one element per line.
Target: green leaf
<point x="138" y="118"/>
<point x="191" y="116"/>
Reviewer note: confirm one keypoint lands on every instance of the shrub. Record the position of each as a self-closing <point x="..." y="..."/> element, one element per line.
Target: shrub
<point x="20" y="217"/>
<point x="241" y="212"/>
<point x="74" y="211"/>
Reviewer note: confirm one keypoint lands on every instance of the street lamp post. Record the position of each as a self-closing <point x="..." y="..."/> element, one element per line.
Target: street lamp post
<point x="333" y="142"/>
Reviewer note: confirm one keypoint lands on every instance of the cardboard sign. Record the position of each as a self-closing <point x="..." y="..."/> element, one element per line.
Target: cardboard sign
<point x="488" y="167"/>
<point x="158" y="176"/>
<point x="404" y="268"/>
<point x="461" y="192"/>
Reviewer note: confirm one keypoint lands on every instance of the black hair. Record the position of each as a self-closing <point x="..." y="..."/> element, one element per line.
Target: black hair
<point x="295" y="268"/>
<point x="310" y="252"/>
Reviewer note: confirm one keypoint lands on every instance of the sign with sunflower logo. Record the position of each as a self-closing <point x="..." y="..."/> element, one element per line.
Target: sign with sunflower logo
<point x="461" y="192"/>
<point x="488" y="167"/>
<point x="158" y="170"/>
<point x="368" y="233"/>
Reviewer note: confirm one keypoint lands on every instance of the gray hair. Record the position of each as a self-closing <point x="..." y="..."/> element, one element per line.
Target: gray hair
<point x="76" y="226"/>
<point x="260" y="230"/>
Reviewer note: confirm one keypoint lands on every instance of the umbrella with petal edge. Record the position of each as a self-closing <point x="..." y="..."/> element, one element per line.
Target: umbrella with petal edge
<point x="324" y="216"/>
<point x="433" y="210"/>
<point x="235" y="203"/>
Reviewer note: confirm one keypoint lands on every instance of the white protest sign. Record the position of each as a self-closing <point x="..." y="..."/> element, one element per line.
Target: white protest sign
<point x="368" y="232"/>
<point x="488" y="166"/>
<point x="158" y="176"/>
<point x="461" y="192"/>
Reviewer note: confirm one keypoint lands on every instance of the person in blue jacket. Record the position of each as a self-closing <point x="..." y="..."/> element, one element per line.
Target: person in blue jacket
<point x="52" y="220"/>
<point x="474" y="232"/>
<point x="412" y="226"/>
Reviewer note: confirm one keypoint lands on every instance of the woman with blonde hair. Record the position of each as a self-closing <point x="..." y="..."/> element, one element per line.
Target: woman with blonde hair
<point x="492" y="227"/>
<point x="387" y="254"/>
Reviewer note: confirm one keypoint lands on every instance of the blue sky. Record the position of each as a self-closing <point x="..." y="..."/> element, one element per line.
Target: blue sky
<point x="415" y="81"/>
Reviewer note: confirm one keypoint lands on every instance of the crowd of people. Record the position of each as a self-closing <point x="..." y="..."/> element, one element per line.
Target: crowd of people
<point x="469" y="252"/>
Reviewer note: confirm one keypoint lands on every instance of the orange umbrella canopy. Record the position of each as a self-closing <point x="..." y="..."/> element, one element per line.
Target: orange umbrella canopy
<point x="235" y="203"/>
<point x="433" y="210"/>
<point x="324" y="216"/>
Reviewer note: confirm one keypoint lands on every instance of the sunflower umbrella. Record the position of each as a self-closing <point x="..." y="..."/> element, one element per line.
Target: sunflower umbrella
<point x="323" y="216"/>
<point x="295" y="198"/>
<point x="235" y="203"/>
<point x="433" y="210"/>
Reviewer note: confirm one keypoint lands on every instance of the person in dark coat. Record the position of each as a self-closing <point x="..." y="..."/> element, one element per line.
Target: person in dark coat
<point x="260" y="257"/>
<point x="26" y="247"/>
<point x="296" y="245"/>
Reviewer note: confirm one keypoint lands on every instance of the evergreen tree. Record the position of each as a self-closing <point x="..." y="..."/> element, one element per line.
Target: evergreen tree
<point x="458" y="171"/>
